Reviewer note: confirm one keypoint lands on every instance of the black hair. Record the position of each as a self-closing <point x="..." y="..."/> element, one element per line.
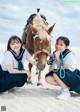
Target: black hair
<point x="14" y="37"/>
<point x="64" y="39"/>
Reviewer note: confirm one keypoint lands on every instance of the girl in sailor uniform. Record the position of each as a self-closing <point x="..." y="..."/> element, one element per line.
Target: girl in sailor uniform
<point x="12" y="73"/>
<point x="69" y="78"/>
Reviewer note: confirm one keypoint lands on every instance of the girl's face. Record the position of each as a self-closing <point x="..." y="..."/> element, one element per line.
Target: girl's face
<point x="15" y="46"/>
<point x="60" y="46"/>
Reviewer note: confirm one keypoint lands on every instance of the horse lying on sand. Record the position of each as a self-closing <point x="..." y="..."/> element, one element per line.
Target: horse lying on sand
<point x="37" y="40"/>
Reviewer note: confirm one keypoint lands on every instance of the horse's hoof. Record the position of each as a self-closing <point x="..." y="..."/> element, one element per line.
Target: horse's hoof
<point x="39" y="84"/>
<point x="29" y="82"/>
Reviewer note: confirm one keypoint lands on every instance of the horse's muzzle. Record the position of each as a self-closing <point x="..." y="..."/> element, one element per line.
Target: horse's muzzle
<point x="41" y="66"/>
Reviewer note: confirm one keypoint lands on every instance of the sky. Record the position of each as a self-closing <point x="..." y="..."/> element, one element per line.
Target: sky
<point x="65" y="13"/>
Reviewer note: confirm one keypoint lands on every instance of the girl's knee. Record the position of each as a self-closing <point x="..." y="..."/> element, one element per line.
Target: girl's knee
<point x="47" y="79"/>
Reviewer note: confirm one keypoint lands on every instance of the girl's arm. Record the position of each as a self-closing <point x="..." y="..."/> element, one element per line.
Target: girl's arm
<point x="57" y="58"/>
<point x="65" y="66"/>
<point x="11" y="70"/>
<point x="33" y="62"/>
<point x="30" y="58"/>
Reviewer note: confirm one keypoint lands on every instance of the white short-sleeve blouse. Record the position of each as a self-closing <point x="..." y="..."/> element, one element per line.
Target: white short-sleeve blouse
<point x="69" y="59"/>
<point x="9" y="59"/>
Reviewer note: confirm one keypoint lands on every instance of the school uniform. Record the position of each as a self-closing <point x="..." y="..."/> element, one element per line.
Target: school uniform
<point x="8" y="80"/>
<point x="72" y="74"/>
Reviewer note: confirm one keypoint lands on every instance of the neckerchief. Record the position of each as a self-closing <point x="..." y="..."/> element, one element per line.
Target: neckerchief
<point x="18" y="58"/>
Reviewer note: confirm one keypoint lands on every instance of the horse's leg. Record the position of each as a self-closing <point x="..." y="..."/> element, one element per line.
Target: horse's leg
<point x="39" y="79"/>
<point x="30" y="67"/>
<point x="37" y="70"/>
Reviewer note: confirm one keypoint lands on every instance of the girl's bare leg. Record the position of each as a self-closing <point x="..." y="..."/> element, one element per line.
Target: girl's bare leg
<point x="51" y="80"/>
<point x="55" y="80"/>
<point x="59" y="81"/>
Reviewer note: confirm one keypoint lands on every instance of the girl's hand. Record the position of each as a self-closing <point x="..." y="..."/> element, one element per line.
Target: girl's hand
<point x="57" y="53"/>
<point x="27" y="72"/>
<point x="14" y="71"/>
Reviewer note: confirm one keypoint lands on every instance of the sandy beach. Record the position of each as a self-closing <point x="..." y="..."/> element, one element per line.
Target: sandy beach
<point x="34" y="98"/>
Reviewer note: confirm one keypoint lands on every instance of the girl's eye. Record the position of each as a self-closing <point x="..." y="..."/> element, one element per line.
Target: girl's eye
<point x="12" y="43"/>
<point x="61" y="45"/>
<point x="17" y="42"/>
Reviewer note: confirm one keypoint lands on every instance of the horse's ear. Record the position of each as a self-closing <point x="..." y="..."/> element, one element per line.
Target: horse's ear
<point x="50" y="29"/>
<point x="32" y="28"/>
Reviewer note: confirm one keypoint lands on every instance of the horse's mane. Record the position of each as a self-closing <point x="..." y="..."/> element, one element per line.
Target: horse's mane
<point x="41" y="27"/>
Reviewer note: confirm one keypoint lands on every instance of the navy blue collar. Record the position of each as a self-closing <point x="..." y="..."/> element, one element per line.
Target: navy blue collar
<point x="66" y="52"/>
<point x="18" y="58"/>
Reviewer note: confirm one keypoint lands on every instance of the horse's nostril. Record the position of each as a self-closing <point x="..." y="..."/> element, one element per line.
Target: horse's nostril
<point x="41" y="66"/>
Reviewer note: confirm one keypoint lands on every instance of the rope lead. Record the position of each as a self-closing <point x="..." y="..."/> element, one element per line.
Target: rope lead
<point x="54" y="61"/>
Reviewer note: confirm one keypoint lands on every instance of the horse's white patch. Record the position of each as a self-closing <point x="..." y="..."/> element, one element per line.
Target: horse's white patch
<point x="39" y="24"/>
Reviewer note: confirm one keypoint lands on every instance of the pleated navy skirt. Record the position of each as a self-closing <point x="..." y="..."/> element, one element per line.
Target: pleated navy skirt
<point x="71" y="79"/>
<point x="8" y="81"/>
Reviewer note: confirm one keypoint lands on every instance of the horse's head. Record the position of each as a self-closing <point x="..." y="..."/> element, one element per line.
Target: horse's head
<point x="42" y="51"/>
<point x="42" y="44"/>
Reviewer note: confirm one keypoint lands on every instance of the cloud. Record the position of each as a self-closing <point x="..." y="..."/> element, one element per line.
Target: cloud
<point x="13" y="16"/>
